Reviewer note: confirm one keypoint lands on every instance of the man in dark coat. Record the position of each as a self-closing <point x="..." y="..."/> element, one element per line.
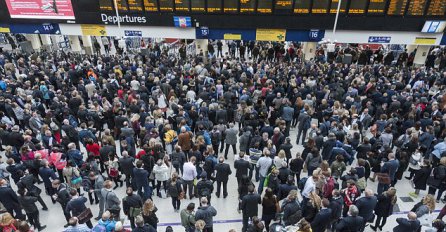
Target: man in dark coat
<point x="127" y="166"/>
<point x="205" y="187"/>
<point x="241" y="166"/>
<point x="352" y="222"/>
<point x="27" y="181"/>
<point x="366" y="205"/>
<point x="322" y="219"/>
<point x="390" y="167"/>
<point x="62" y="196"/>
<point x="223" y="171"/>
<point x="10" y="200"/>
<point x="409" y="224"/>
<point x="141" y="180"/>
<point x="249" y="206"/>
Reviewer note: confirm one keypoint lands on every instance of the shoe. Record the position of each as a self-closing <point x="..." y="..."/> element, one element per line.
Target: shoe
<point x="226" y="157"/>
<point x="408" y="178"/>
<point x="380" y="228"/>
<point x="122" y="183"/>
<point x="373" y="228"/>
<point x="115" y="187"/>
<point x="443" y="200"/>
<point x="372" y="180"/>
<point x="66" y="225"/>
<point x="45" y="208"/>
<point x="41" y="228"/>
<point x="96" y="202"/>
<point x="414" y="195"/>
<point x="97" y="218"/>
<point x="438" y="201"/>
<point x="218" y="195"/>
<point x="224" y="196"/>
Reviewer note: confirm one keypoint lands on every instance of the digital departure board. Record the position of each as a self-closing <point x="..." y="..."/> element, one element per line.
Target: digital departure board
<point x="214" y="6"/>
<point x="265" y="6"/>
<point x="247" y="6"/>
<point x="320" y="6"/>
<point x="198" y="6"/>
<point x="166" y="5"/>
<point x="302" y="6"/>
<point x="397" y="7"/>
<point x="436" y="8"/>
<point x="151" y="5"/>
<point x="377" y="7"/>
<point x="135" y="5"/>
<point x="357" y="7"/>
<point x="416" y="7"/>
<point x="182" y="5"/>
<point x="334" y="6"/>
<point x="105" y="5"/>
<point x="284" y="6"/>
<point x="122" y="5"/>
<point x="230" y="6"/>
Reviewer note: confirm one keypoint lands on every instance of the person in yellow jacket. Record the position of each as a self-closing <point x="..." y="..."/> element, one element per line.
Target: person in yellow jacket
<point x="170" y="136"/>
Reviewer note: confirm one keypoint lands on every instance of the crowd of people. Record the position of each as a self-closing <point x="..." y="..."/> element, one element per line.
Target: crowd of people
<point x="164" y="125"/>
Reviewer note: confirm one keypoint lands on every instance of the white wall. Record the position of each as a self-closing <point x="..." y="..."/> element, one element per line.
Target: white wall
<point x="148" y="32"/>
<point x="397" y="37"/>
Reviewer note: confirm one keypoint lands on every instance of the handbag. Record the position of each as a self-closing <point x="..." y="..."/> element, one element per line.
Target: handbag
<point x="133" y="212"/>
<point x="181" y="196"/>
<point x="75" y="179"/>
<point x="113" y="172"/>
<point x="85" y="216"/>
<point x="383" y="178"/>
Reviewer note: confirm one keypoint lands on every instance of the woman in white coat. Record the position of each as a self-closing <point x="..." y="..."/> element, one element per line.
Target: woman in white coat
<point x="161" y="175"/>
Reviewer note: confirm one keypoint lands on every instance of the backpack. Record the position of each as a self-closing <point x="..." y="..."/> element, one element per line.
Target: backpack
<point x="328" y="187"/>
<point x="400" y="141"/>
<point x="301" y="183"/>
<point x="73" y="121"/>
<point x="214" y="137"/>
<point x="99" y="228"/>
<point x="207" y="138"/>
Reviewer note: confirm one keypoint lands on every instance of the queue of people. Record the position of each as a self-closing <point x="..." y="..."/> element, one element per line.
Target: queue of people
<point x="163" y="125"/>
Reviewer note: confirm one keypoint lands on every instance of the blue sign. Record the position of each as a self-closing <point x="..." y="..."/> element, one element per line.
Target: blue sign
<point x="379" y="39"/>
<point x="204" y="31"/>
<point x="181" y="21"/>
<point x="46" y="28"/>
<point x="133" y="33"/>
<point x="314" y="35"/>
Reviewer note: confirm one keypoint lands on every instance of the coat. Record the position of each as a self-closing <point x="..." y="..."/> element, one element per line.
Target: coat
<point x="184" y="140"/>
<point x="321" y="221"/>
<point x="421" y="176"/>
<point x="9" y="198"/>
<point x="110" y="199"/>
<point x="250" y="204"/>
<point x="223" y="171"/>
<point x="68" y="173"/>
<point x="244" y="141"/>
<point x="28" y="204"/>
<point x="366" y="205"/>
<point x="161" y="172"/>
<point x="231" y="136"/>
<point x="405" y="225"/>
<point x="241" y="166"/>
<point x="350" y="223"/>
<point x="140" y="177"/>
<point x="206" y="213"/>
<point x="384" y="207"/>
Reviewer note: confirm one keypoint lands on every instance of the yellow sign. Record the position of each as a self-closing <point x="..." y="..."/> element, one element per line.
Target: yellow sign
<point x="270" y="34"/>
<point x="426" y="41"/>
<point x="94" y="30"/>
<point x="4" y="30"/>
<point x="232" y="36"/>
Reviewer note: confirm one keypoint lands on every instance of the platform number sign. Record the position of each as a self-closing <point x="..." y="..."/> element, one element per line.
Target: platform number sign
<point x="204" y="31"/>
<point x="314" y="34"/>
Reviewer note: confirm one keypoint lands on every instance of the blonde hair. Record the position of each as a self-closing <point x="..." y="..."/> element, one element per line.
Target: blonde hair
<point x="429" y="201"/>
<point x="316" y="200"/>
<point x="148" y="207"/>
<point x="281" y="154"/>
<point x="200" y="224"/>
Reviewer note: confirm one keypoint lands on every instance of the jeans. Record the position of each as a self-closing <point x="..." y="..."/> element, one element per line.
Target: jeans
<point x="251" y="170"/>
<point x="260" y="188"/>
<point x="189" y="184"/>
<point x="225" y="188"/>
<point x="287" y="128"/>
<point x="176" y="203"/>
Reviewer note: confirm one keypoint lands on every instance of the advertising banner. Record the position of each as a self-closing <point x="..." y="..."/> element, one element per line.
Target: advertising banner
<point x="40" y="9"/>
<point x="270" y="34"/>
<point x="232" y="36"/>
<point x="425" y="41"/>
<point x="94" y="30"/>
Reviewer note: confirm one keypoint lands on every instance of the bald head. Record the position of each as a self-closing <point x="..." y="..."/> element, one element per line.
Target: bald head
<point x="368" y="192"/>
<point x="412" y="216"/>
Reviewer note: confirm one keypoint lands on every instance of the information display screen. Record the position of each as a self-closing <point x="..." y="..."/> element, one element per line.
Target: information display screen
<point x="247" y="6"/>
<point x="397" y="7"/>
<point x="150" y="5"/>
<point x="182" y="5"/>
<point x="40" y="9"/>
<point x="302" y="6"/>
<point x="105" y="5"/>
<point x="214" y="6"/>
<point x="135" y="5"/>
<point x="284" y="6"/>
<point x="265" y="6"/>
<point x="334" y="6"/>
<point x="198" y="6"/>
<point x="166" y="5"/>
<point x="320" y="6"/>
<point x="416" y="7"/>
<point x="436" y="8"/>
<point x="230" y="6"/>
<point x="122" y="5"/>
<point x="377" y="7"/>
<point x="357" y="7"/>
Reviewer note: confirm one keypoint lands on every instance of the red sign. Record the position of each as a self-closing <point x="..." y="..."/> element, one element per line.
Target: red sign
<point x="40" y="9"/>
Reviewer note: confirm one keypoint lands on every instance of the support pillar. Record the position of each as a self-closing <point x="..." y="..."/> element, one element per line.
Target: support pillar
<point x="309" y="49"/>
<point x="88" y="45"/>
<point x="75" y="43"/>
<point x="35" y="41"/>
<point x="410" y="48"/>
<point x="421" y="55"/>
<point x="201" y="47"/>
<point x="46" y="42"/>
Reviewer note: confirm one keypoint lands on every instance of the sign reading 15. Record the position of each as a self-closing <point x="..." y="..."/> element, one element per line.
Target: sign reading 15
<point x="204" y="31"/>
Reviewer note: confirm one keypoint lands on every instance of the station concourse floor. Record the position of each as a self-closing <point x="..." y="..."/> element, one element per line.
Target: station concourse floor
<point x="227" y="216"/>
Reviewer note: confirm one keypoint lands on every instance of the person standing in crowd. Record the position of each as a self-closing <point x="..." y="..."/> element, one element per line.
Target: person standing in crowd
<point x="62" y="196"/>
<point x="73" y="225"/>
<point x="28" y="203"/>
<point x="241" y="166"/>
<point x="190" y="173"/>
<point x="322" y="219"/>
<point x="141" y="180"/>
<point x="132" y="206"/>
<point x="366" y="205"/>
<point x="188" y="218"/>
<point x="353" y="222"/>
<point x="76" y="206"/>
<point x="175" y="191"/>
<point x="384" y="208"/>
<point x="389" y="168"/>
<point x="249" y="206"/>
<point x="161" y="176"/>
<point x="126" y="164"/>
<point x="206" y="213"/>
<point x="111" y="200"/>
<point x="410" y="223"/>
<point x="149" y="214"/>
<point x="231" y="139"/>
<point x="223" y="171"/>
